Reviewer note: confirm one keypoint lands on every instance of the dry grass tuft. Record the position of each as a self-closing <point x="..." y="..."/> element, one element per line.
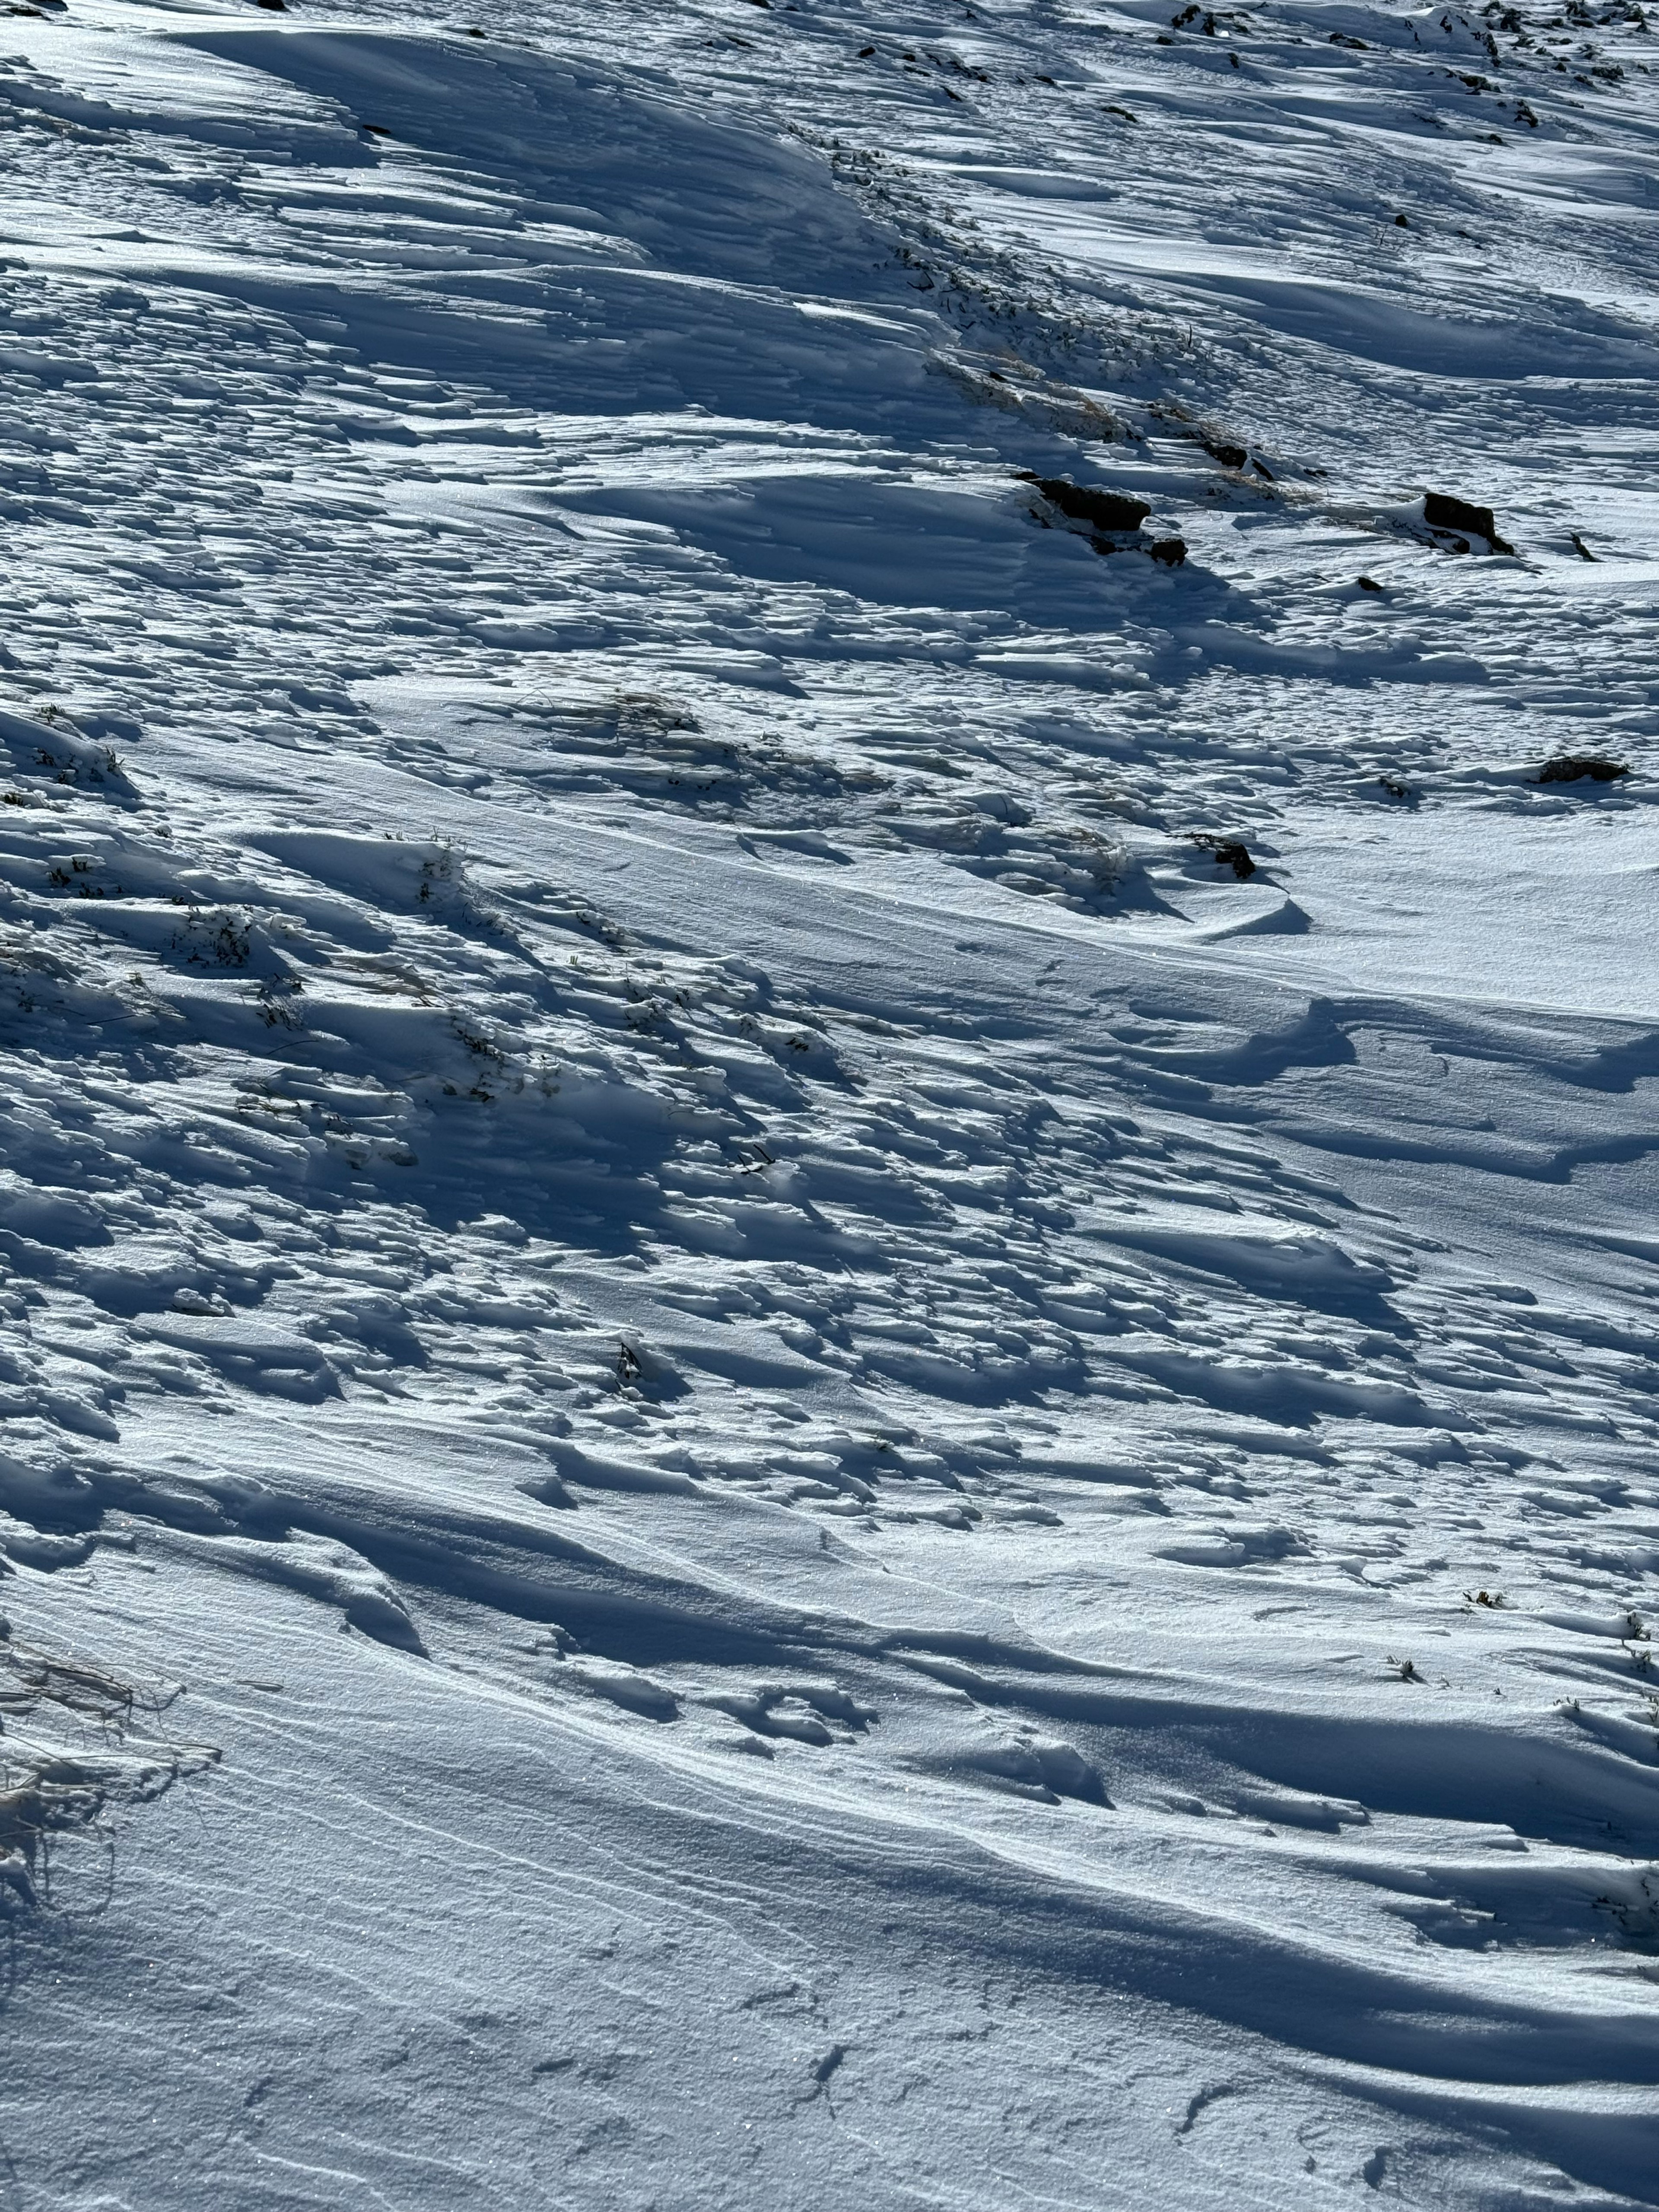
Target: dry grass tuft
<point x="75" y="1743"/>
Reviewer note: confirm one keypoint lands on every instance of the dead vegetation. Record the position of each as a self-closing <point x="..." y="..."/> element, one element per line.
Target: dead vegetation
<point x="77" y="1744"/>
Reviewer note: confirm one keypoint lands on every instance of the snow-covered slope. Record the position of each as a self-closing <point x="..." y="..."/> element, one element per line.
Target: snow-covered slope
<point x="830" y="1353"/>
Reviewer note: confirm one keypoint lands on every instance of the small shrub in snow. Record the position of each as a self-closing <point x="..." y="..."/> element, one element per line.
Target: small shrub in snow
<point x="1579" y="768"/>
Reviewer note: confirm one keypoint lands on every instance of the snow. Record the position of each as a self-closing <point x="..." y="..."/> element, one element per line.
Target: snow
<point x="763" y="1445"/>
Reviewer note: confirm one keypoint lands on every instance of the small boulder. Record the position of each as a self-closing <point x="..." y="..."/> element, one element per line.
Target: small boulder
<point x="1230" y="457"/>
<point x="1171" y="552"/>
<point x="1441" y="512"/>
<point x="1101" y="510"/>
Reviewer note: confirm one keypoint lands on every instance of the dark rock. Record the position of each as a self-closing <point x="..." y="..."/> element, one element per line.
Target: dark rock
<point x="278" y="7"/>
<point x="1441" y="512"/>
<point x="1395" y="789"/>
<point x="1573" y="768"/>
<point x="1370" y="584"/>
<point x="1400" y="222"/>
<point x="1579" y="546"/>
<point x="1101" y="510"/>
<point x="1230" y="457"/>
<point x="1229" y="851"/>
<point x="1171" y="552"/>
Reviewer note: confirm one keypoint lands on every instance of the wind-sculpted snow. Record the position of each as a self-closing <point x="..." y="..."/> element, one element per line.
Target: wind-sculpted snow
<point x="826" y="1179"/>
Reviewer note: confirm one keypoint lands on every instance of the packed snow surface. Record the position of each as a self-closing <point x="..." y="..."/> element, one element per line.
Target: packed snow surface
<point x="830" y="1354"/>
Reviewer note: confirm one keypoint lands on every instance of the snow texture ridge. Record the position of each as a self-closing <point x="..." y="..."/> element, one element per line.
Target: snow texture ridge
<point x="828" y="1151"/>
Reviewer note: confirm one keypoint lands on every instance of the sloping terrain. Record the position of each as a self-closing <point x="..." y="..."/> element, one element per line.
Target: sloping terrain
<point x="828" y="1154"/>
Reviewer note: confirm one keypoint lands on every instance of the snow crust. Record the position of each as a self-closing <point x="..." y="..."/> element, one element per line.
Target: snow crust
<point x="762" y="1446"/>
